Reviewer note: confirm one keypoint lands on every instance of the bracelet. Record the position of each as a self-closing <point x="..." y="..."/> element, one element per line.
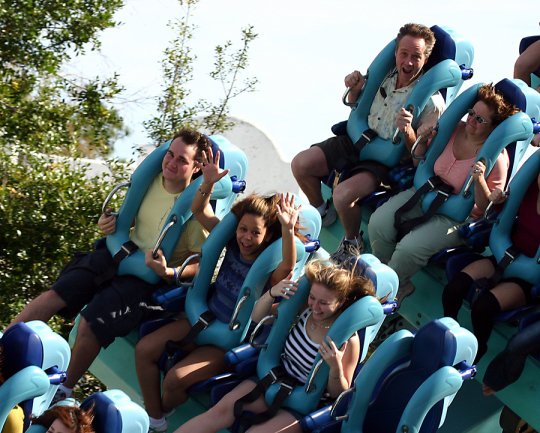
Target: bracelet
<point x="270" y="292"/>
<point x="204" y="194"/>
<point x="175" y="275"/>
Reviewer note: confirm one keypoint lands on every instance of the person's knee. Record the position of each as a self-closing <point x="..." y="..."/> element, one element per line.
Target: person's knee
<point x="340" y="198"/>
<point x="298" y="165"/>
<point x="147" y="351"/>
<point x="84" y="330"/>
<point x="175" y="381"/>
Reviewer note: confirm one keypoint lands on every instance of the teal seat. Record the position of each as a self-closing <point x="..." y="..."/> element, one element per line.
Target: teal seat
<point x="411" y="379"/>
<point x="229" y="335"/>
<point x="442" y="72"/>
<point x="225" y="190"/>
<point x="364" y="316"/>
<point x="35" y="359"/>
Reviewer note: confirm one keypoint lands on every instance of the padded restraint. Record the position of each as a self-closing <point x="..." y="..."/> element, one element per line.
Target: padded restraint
<point x="515" y="128"/>
<point x="130" y="258"/>
<point x="409" y="376"/>
<point x="442" y="72"/>
<point x="229" y="335"/>
<point x="365" y="312"/>
<point x="500" y="239"/>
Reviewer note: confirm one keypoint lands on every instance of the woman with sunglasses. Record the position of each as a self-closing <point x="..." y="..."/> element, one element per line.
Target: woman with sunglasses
<point x="454" y="165"/>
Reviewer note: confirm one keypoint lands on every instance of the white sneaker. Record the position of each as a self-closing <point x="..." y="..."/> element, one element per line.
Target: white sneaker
<point x="158" y="427"/>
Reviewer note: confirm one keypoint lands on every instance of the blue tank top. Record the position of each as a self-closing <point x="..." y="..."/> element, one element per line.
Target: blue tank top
<point x="231" y="276"/>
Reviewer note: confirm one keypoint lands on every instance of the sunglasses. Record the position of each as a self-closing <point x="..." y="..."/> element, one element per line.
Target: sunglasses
<point x="479" y="119"/>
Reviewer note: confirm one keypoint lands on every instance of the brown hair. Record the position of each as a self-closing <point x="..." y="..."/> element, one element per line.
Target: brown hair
<point x="418" y="31"/>
<point x="496" y="102"/>
<point x="76" y="419"/>
<point x="190" y="137"/>
<point x="265" y="207"/>
<point x="345" y="283"/>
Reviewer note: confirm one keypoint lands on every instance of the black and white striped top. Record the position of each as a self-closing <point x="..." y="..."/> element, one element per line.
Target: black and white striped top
<point x="300" y="351"/>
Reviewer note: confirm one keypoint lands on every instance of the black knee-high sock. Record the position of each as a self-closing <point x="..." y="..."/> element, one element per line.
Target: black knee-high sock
<point x="483" y="313"/>
<point x="454" y="293"/>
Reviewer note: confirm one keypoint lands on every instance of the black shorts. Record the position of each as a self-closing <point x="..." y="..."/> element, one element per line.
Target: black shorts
<point x="342" y="156"/>
<point x="115" y="305"/>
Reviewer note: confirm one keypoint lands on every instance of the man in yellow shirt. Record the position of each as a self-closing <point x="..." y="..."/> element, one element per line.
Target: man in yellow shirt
<point x="115" y="304"/>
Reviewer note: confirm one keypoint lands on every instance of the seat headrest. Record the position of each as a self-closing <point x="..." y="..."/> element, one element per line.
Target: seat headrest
<point x="434" y="346"/>
<point x="22" y="347"/>
<point x="215" y="148"/>
<point x="512" y="93"/>
<point x="382" y="276"/>
<point x="445" y="47"/>
<point x="107" y="417"/>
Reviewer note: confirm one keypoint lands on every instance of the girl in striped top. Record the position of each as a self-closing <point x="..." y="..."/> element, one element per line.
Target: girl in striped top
<point x="332" y="290"/>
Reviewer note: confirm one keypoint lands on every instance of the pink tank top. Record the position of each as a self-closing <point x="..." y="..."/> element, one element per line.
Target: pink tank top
<point x="455" y="172"/>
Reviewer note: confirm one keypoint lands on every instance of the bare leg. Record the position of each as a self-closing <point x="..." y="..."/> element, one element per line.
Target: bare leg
<point x="528" y="62"/>
<point x="478" y="269"/>
<point x="221" y="415"/>
<point x="282" y="422"/>
<point x="85" y="350"/>
<point x="345" y="196"/>
<point x="147" y="353"/>
<point x="202" y="363"/>
<point x="41" y="308"/>
<point x="308" y="167"/>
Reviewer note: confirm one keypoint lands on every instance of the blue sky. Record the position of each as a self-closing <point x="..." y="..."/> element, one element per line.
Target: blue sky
<point x="303" y="51"/>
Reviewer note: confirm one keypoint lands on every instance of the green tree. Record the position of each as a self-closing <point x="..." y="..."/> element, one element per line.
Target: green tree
<point x="175" y="108"/>
<point x="48" y="206"/>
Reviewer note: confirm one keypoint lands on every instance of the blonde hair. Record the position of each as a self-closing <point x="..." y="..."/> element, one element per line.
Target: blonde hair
<point x="345" y="283"/>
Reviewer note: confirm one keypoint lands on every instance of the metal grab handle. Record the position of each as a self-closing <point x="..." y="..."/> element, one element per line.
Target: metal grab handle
<point x="162" y="236"/>
<point x="257" y="329"/>
<point x="413" y="149"/>
<point x="310" y="387"/>
<point x="234" y="324"/>
<point x="184" y="265"/>
<point x="111" y="195"/>
<point x="344" y="98"/>
<point x="396" y="138"/>
<point x="491" y="204"/>
<point x="336" y="404"/>
<point x="466" y="191"/>
<point x="488" y="209"/>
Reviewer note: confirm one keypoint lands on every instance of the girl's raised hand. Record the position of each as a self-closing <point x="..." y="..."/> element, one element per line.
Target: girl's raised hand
<point x="287" y="211"/>
<point x="209" y="166"/>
